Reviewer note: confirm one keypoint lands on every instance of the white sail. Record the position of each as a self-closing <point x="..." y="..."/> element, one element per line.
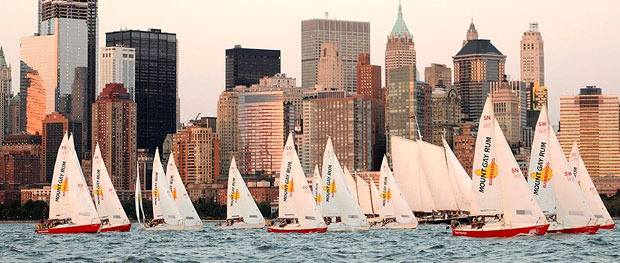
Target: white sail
<point x="540" y="171"/>
<point x="339" y="200"/>
<point x="433" y="159"/>
<point x="317" y="188"/>
<point x="461" y="180"/>
<point x="295" y="198"/>
<point x="240" y="202"/>
<point x="60" y="208"/>
<point x="376" y="198"/>
<point x="138" y="196"/>
<point x="351" y="183"/>
<point x="409" y="174"/>
<point x="182" y="200"/>
<point x="485" y="190"/>
<point x="363" y="193"/>
<point x="83" y="211"/>
<point x="519" y="206"/>
<point x="572" y="209"/>
<point x="106" y="200"/>
<point x="588" y="189"/>
<point x="164" y="206"/>
<point x="393" y="203"/>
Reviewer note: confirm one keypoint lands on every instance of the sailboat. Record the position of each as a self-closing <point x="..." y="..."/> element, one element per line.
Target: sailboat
<point x="409" y="174"/>
<point x="589" y="190"/>
<point x="461" y="180"/>
<point x="367" y="203"/>
<point x="138" y="198"/>
<point x="501" y="204"/>
<point x="340" y="209"/>
<point x="297" y="210"/>
<point x="191" y="220"/>
<point x="109" y="208"/>
<point x="552" y="183"/>
<point x="166" y="215"/>
<point x="71" y="207"/>
<point x="394" y="210"/>
<point x="241" y="210"/>
<point x="317" y="188"/>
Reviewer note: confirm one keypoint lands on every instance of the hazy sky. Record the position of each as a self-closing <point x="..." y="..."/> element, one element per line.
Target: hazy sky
<point x="582" y="38"/>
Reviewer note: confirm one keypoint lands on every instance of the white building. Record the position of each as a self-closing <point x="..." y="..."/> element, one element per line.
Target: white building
<point x="117" y="65"/>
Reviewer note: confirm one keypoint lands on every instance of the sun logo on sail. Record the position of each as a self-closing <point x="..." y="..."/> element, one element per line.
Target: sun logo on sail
<point x="234" y="196"/>
<point x="544" y="175"/>
<point x="174" y="193"/>
<point x="290" y="187"/>
<point x="63" y="187"/>
<point x="318" y="198"/>
<point x="387" y="195"/>
<point x="331" y="188"/>
<point x="156" y="194"/>
<point x="98" y="192"/>
<point x="489" y="172"/>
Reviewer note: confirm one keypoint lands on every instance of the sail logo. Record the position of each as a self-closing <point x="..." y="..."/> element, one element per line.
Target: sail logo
<point x="318" y="198"/>
<point x="174" y="193"/>
<point x="97" y="191"/>
<point x="488" y="170"/>
<point x="233" y="191"/>
<point x="387" y="193"/>
<point x="63" y="185"/>
<point x="543" y="171"/>
<point x="234" y="196"/>
<point x="287" y="187"/>
<point x="330" y="189"/>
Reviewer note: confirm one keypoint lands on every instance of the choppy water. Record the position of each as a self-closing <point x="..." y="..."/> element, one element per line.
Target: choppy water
<point x="428" y="243"/>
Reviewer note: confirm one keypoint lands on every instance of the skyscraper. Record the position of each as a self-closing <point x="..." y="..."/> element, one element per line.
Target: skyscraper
<point x="438" y="75"/>
<point x="347" y="121"/>
<point x="14" y="115"/>
<point x="329" y="70"/>
<point x="5" y="94"/>
<point x="353" y="38"/>
<point x="156" y="93"/>
<point x="196" y="154"/>
<point x="475" y="66"/>
<point x="245" y="66"/>
<point x="261" y="132"/>
<point x="532" y="56"/>
<point x="228" y="128"/>
<point x="446" y="113"/>
<point x="509" y="105"/>
<point x="404" y="110"/>
<point x="118" y="65"/>
<point x="369" y="84"/>
<point x="114" y="129"/>
<point x="592" y="120"/>
<point x="55" y="126"/>
<point x="400" y="49"/>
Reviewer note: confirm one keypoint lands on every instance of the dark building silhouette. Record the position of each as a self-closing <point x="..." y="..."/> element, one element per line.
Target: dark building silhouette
<point x="245" y="66"/>
<point x="156" y="82"/>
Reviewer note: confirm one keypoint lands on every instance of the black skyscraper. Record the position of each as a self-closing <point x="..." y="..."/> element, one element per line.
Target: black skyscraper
<point x="245" y="66"/>
<point x="156" y="82"/>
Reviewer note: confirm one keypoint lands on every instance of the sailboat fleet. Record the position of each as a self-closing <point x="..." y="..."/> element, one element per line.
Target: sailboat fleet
<point x="427" y="184"/>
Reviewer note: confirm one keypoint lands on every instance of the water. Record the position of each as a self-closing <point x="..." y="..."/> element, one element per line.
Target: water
<point x="428" y="243"/>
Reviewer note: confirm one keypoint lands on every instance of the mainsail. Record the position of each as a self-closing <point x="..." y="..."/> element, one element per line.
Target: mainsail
<point x="409" y="173"/>
<point x="317" y="188"/>
<point x="107" y="202"/>
<point x="351" y="183"/>
<point x="437" y="176"/>
<point x="83" y="210"/>
<point x="164" y="206"/>
<point x="363" y="193"/>
<point x="240" y="203"/>
<point x="540" y="169"/>
<point x="461" y="180"/>
<point x="393" y="203"/>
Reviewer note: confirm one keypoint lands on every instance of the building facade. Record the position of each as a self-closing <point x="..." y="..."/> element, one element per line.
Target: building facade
<point x="245" y="66"/>
<point x="591" y="118"/>
<point x="196" y="154"/>
<point x="446" y="114"/>
<point x="465" y="145"/>
<point x="55" y="126"/>
<point x="156" y="92"/>
<point x="330" y="68"/>
<point x="353" y="38"/>
<point x="117" y="65"/>
<point x="400" y="48"/>
<point x="369" y="84"/>
<point x="476" y="65"/>
<point x="404" y="110"/>
<point x="114" y="129"/>
<point x="348" y="122"/>
<point x="532" y="56"/>
<point x="13" y="122"/>
<point x="261" y="132"/>
<point x="508" y="98"/>
<point x="228" y="128"/>
<point x="5" y="94"/>
<point x="438" y="75"/>
<point x="20" y="161"/>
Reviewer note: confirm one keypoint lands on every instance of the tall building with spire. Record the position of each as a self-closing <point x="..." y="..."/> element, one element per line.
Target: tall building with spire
<point x="476" y="65"/>
<point x="472" y="33"/>
<point x="532" y="56"/>
<point x="5" y="94"/>
<point x="400" y="49"/>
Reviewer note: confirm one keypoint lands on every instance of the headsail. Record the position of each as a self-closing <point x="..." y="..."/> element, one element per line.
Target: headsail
<point x="462" y="181"/>
<point x="138" y="196"/>
<point x="351" y="183"/>
<point x="83" y="210"/>
<point x="60" y="206"/>
<point x="182" y="200"/>
<point x="240" y="202"/>
<point x="363" y="193"/>
<point x="106" y="200"/>
<point x="409" y="173"/>
<point x="317" y="187"/>
<point x="540" y="170"/>
<point x="164" y="206"/>
<point x="435" y="168"/>
<point x="393" y="203"/>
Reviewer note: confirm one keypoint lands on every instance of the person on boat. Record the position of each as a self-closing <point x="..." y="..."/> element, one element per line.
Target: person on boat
<point x="105" y="222"/>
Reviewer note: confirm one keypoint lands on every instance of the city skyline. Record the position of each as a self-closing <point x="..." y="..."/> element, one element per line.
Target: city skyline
<point x="570" y="56"/>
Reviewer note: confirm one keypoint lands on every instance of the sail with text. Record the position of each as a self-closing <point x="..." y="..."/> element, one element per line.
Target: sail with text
<point x="183" y="202"/>
<point x="108" y="205"/>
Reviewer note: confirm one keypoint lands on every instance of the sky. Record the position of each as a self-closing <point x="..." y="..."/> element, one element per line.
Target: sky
<point x="582" y="38"/>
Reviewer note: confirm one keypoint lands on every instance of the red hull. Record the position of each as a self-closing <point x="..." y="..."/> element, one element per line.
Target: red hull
<point x="94" y="228"/>
<point x="121" y="228"/>
<point x="580" y="230"/>
<point x="538" y="230"/>
<point x="302" y="231"/>
<point x="610" y="226"/>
